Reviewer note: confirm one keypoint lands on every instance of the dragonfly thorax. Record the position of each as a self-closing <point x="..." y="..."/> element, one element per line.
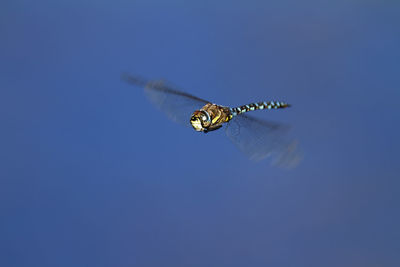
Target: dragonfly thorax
<point x="200" y="120"/>
<point x="210" y="117"/>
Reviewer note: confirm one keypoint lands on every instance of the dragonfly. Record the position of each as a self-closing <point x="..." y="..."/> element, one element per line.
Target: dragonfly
<point x="256" y="138"/>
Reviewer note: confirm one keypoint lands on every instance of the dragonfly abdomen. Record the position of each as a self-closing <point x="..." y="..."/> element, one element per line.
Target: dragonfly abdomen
<point x="258" y="106"/>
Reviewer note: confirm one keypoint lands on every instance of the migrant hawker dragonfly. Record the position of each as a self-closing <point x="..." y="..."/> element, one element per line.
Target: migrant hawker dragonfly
<point x="256" y="138"/>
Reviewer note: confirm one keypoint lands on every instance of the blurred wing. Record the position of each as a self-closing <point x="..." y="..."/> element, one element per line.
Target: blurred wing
<point x="259" y="139"/>
<point x="177" y="105"/>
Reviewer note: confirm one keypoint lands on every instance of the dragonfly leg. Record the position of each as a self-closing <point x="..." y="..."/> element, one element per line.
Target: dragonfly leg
<point x="212" y="128"/>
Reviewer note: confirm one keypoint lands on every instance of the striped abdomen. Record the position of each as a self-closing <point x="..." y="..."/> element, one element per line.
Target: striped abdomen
<point x="256" y="106"/>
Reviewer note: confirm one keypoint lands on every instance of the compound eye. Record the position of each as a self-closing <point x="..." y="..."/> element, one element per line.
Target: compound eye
<point x="204" y="118"/>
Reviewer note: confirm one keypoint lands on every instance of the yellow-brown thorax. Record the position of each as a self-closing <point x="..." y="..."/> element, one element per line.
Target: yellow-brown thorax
<point x="210" y="117"/>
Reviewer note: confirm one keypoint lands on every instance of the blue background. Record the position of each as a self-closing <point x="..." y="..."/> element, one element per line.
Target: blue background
<point x="93" y="175"/>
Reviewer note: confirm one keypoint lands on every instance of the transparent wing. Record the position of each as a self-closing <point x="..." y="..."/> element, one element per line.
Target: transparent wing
<point x="177" y="105"/>
<point x="259" y="139"/>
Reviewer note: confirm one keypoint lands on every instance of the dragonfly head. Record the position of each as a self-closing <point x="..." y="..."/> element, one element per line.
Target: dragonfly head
<point x="200" y="120"/>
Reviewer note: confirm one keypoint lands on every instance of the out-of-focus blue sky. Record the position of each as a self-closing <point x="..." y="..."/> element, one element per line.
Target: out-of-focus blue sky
<point x="92" y="175"/>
